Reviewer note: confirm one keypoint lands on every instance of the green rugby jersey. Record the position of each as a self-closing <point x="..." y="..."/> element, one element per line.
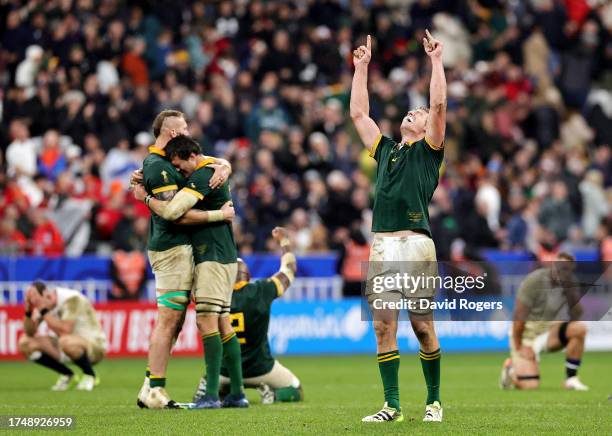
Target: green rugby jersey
<point x="213" y="241"/>
<point x="159" y="176"/>
<point x="406" y="178"/>
<point x="250" y="316"/>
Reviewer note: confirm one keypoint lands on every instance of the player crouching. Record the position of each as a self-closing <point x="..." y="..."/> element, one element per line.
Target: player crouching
<point x="77" y="334"/>
<point x="543" y="294"/>
<point x="250" y="316"/>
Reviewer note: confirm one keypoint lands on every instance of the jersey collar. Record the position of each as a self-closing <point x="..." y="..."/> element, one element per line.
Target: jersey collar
<point x="207" y="160"/>
<point x="241" y="284"/>
<point x="156" y="150"/>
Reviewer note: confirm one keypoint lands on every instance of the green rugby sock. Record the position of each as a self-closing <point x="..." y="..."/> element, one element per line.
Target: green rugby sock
<point x="388" y="364"/>
<point x="213" y="353"/>
<point x="233" y="360"/>
<point x="431" y="370"/>
<point x="289" y="394"/>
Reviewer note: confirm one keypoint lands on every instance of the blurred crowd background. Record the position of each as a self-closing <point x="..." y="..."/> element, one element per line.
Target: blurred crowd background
<point x="266" y="85"/>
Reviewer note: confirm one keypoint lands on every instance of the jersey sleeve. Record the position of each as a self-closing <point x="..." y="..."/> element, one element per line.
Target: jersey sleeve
<point x="197" y="184"/>
<point x="382" y="145"/>
<point x="436" y="154"/>
<point x="269" y="289"/>
<point x="160" y="178"/>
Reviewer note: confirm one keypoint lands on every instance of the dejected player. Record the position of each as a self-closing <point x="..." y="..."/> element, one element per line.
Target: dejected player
<point x="541" y="297"/>
<point x="250" y="315"/>
<point x="76" y="334"/>
<point x="407" y="176"/>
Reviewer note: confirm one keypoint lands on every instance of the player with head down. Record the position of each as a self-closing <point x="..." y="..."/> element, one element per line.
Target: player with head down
<point x="407" y="176"/>
<point x="250" y="315"/>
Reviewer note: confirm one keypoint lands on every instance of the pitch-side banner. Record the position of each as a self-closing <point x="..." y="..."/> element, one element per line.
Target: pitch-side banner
<point x="326" y="327"/>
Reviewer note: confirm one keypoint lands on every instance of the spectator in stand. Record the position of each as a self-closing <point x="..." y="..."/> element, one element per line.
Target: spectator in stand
<point x="266" y="86"/>
<point x="46" y="238"/>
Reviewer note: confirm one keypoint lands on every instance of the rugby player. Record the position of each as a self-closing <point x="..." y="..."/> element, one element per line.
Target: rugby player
<point x="541" y="297"/>
<point x="407" y="176"/>
<point x="76" y="334"/>
<point x="250" y="316"/>
<point x="215" y="258"/>
<point x="170" y="253"/>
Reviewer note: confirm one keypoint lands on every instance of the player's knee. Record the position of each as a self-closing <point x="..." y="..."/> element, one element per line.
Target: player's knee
<point x="527" y="385"/>
<point x="70" y="346"/>
<point x="423" y="331"/>
<point x="577" y="329"/>
<point x="176" y="301"/>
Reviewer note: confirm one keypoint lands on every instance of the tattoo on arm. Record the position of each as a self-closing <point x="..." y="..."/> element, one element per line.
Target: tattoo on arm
<point x="166" y="195"/>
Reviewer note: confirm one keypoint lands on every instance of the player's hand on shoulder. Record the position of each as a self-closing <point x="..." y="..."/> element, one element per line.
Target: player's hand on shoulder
<point x="433" y="47"/>
<point x="228" y="211"/>
<point x="220" y="175"/>
<point x="363" y="53"/>
<point x="139" y="192"/>
<point x="136" y="177"/>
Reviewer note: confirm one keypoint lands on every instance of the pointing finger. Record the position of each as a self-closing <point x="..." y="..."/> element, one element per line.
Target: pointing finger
<point x="429" y="37"/>
<point x="369" y="42"/>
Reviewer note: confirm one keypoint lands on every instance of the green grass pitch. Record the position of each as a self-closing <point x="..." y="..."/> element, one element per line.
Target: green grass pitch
<point x="339" y="390"/>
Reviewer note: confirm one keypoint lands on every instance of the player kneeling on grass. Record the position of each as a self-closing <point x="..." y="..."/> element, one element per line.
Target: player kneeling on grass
<point x="541" y="297"/>
<point x="77" y="334"/>
<point x="250" y="315"/>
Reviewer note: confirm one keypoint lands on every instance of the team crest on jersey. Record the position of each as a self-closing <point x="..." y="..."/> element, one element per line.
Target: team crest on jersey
<point x="165" y="176"/>
<point x="201" y="249"/>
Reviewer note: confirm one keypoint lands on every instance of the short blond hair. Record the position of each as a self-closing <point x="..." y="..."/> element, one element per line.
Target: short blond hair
<point x="158" y="122"/>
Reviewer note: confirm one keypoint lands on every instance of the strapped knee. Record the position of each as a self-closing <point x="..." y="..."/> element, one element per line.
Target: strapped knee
<point x="206" y="307"/>
<point x="177" y="300"/>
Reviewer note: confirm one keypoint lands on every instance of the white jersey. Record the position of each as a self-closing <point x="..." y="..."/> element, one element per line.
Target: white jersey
<point x="74" y="306"/>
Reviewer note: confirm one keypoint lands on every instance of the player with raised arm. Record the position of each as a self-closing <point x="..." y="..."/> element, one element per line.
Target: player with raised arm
<point x="541" y="297"/>
<point x="77" y="334"/>
<point x="407" y="176"/>
<point x="250" y="316"/>
<point x="170" y="254"/>
<point x="215" y="258"/>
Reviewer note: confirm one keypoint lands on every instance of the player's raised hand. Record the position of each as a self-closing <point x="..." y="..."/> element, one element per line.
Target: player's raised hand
<point x="432" y="46"/>
<point x="139" y="192"/>
<point x="363" y="53"/>
<point x="228" y="211"/>
<point x="220" y="175"/>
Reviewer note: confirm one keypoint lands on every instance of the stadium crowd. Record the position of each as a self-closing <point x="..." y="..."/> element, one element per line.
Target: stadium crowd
<point x="265" y="84"/>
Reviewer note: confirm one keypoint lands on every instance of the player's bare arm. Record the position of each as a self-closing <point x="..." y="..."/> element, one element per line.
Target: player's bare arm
<point x="360" y="106"/>
<point x="518" y="328"/>
<point x="180" y="205"/>
<point x="436" y="122"/>
<point x="32" y="316"/>
<point x="286" y="274"/>
<point x="60" y="327"/>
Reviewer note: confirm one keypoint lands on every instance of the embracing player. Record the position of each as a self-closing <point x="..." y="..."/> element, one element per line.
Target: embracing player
<point x="215" y="258"/>
<point x="543" y="294"/>
<point x="407" y="176"/>
<point x="170" y="253"/>
<point x="250" y="316"/>
<point x="76" y="333"/>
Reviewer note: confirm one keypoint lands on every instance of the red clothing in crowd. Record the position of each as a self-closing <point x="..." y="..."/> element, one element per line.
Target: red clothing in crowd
<point x="135" y="67"/>
<point x="47" y="240"/>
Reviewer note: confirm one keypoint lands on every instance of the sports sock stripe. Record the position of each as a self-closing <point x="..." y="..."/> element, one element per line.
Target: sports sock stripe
<point x="210" y="335"/>
<point x="224" y="339"/>
<point x="430" y="353"/>
<point x="388" y="354"/>
<point x="388" y="359"/>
